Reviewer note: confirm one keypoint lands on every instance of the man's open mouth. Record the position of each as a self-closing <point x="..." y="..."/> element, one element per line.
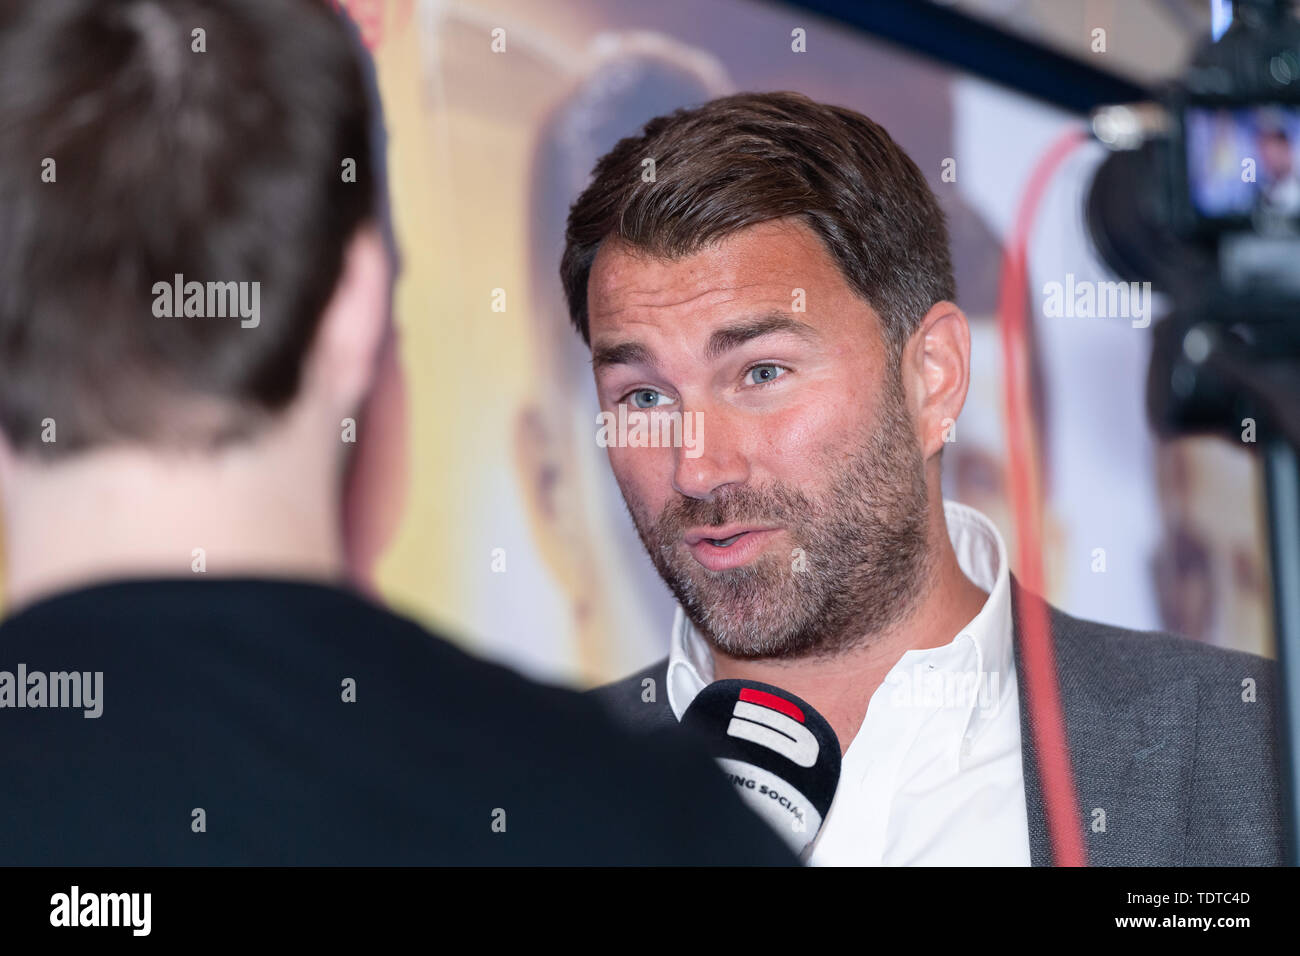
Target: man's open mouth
<point x="728" y="546"/>
<point x="726" y="542"/>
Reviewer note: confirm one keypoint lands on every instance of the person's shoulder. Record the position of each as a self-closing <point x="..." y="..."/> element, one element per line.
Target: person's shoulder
<point x="412" y="757"/>
<point x="1223" y="701"/>
<point x="647" y="679"/>
<point x="570" y="750"/>
<point x="1154" y="655"/>
<point x="452" y="679"/>
<point x="1114" y="667"/>
<point x="640" y="700"/>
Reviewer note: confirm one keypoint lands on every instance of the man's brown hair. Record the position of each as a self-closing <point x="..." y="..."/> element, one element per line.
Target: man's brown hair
<point x="741" y="160"/>
<point x="221" y="161"/>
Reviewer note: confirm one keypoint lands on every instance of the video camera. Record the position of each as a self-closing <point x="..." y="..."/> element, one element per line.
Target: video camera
<point x="1201" y="197"/>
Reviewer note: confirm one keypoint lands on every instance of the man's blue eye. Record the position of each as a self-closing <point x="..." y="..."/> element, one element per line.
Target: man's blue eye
<point x="762" y="374"/>
<point x="646" y="398"/>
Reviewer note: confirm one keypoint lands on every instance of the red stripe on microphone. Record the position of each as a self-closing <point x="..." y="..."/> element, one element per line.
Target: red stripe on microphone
<point x="762" y="697"/>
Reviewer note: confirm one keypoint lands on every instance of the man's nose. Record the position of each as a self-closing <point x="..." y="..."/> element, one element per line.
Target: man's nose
<point x="717" y="461"/>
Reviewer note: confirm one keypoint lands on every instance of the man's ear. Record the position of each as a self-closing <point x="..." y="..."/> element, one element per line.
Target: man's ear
<point x="939" y="358"/>
<point x="343" y="358"/>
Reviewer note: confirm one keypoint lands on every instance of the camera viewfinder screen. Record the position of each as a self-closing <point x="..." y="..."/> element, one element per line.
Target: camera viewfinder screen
<point x="1242" y="160"/>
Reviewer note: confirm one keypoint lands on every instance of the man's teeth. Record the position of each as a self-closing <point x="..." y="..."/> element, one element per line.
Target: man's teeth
<point x="726" y="542"/>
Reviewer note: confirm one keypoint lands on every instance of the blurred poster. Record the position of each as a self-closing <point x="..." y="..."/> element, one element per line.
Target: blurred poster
<point x="482" y="504"/>
<point x="513" y="533"/>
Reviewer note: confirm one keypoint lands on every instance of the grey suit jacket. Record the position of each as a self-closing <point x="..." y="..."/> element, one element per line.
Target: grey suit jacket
<point x="1160" y="740"/>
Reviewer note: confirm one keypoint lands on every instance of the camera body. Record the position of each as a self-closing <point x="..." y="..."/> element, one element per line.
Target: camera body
<point x="1232" y="162"/>
<point x="1208" y="211"/>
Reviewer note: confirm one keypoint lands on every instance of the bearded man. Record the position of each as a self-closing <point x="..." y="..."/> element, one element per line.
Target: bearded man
<point x="780" y="268"/>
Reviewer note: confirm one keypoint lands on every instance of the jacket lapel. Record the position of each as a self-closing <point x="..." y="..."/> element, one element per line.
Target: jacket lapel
<point x="1130" y="747"/>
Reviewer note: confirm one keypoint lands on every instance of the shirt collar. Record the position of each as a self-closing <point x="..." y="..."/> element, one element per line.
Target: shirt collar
<point x="982" y="556"/>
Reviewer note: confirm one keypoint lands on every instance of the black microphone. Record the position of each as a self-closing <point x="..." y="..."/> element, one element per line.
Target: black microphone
<point x="781" y="755"/>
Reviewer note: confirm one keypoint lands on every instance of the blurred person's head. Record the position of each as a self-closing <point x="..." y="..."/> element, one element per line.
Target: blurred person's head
<point x="194" y="274"/>
<point x="1210" y="567"/>
<point x="576" y="518"/>
<point x="784" y="274"/>
<point x="1275" y="153"/>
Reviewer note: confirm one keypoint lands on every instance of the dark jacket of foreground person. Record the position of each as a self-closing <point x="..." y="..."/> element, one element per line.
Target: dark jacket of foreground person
<point x="224" y="737"/>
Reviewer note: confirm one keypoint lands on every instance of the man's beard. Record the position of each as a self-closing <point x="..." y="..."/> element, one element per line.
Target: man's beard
<point x="864" y="561"/>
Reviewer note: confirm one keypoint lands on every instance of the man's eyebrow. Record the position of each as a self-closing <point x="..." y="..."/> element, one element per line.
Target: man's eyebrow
<point x="624" y="353"/>
<point x="721" y="341"/>
<point x="732" y="336"/>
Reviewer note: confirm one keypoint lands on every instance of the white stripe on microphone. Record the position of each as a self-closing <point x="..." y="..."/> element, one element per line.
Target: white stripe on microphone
<point x="775" y="731"/>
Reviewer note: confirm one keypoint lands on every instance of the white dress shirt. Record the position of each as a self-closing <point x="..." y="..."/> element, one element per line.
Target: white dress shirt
<point x="934" y="774"/>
